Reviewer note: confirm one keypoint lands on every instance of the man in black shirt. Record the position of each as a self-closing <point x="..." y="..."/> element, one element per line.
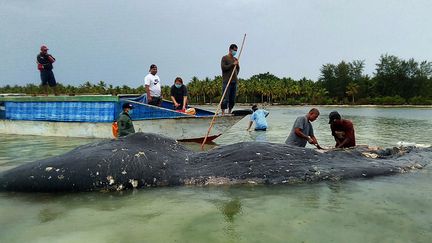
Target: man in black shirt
<point x="179" y="94"/>
<point x="45" y="61"/>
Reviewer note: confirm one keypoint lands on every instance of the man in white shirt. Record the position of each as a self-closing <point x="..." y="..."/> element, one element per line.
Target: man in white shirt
<point x="153" y="87"/>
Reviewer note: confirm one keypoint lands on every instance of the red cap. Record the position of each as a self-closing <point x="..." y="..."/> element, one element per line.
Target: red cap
<point x="44" y="47"/>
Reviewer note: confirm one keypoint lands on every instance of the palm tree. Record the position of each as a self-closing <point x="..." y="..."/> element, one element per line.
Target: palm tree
<point x="166" y="92"/>
<point x="352" y="90"/>
<point x="101" y="87"/>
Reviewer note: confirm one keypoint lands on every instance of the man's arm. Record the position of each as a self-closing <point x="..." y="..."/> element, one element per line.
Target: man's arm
<point x="51" y="59"/>
<point x="172" y="97"/>
<point x="250" y="124"/>
<point x="238" y="66"/>
<point x="184" y="102"/>
<point x="185" y="97"/>
<point x="149" y="98"/>
<point x="299" y="132"/>
<point x="174" y="101"/>
<point x="342" y="144"/>
<point x="314" y="140"/>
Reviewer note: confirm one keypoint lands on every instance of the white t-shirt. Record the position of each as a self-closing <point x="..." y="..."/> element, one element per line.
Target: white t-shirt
<point x="154" y="84"/>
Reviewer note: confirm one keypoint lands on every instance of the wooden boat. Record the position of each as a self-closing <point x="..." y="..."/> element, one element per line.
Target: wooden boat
<point x="91" y="116"/>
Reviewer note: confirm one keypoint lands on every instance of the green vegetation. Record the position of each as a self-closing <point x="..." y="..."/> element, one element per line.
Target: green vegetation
<point x="395" y="82"/>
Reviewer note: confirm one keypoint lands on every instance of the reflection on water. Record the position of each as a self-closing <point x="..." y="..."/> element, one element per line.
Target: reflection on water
<point x="231" y="209"/>
<point x="384" y="209"/>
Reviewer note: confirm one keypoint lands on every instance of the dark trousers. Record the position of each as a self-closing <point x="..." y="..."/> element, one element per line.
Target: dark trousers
<point x="178" y="107"/>
<point x="47" y="77"/>
<point x="156" y="101"/>
<point x="230" y="96"/>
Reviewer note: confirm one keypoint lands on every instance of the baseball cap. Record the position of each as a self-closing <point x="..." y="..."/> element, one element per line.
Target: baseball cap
<point x="127" y="105"/>
<point x="334" y="115"/>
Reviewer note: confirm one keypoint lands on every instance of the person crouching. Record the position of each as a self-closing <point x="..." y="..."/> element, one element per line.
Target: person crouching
<point x="342" y="130"/>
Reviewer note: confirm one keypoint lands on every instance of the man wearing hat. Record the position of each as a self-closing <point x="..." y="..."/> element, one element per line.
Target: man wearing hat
<point x="259" y="117"/>
<point x="45" y="65"/>
<point x="125" y="125"/>
<point x="342" y="130"/>
<point x="153" y="87"/>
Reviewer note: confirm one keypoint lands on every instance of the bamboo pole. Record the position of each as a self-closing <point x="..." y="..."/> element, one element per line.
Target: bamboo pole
<point x="223" y="95"/>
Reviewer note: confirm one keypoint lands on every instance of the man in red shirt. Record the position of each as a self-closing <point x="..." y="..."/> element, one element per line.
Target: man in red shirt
<point x="342" y="130"/>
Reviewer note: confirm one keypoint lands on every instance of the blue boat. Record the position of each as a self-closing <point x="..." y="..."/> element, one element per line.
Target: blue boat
<point x="91" y="116"/>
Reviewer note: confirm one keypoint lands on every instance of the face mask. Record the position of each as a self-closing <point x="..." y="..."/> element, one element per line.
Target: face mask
<point x="233" y="53"/>
<point x="130" y="112"/>
<point x="178" y="85"/>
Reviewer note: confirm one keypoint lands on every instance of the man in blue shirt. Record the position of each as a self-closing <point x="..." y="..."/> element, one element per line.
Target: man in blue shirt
<point x="259" y="117"/>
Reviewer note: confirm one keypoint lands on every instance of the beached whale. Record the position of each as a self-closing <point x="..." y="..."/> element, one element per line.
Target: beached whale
<point x="147" y="160"/>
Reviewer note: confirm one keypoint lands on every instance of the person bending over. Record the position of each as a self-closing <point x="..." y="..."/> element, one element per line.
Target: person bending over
<point x="259" y="117"/>
<point x="342" y="130"/>
<point x="302" y="130"/>
<point x="179" y="94"/>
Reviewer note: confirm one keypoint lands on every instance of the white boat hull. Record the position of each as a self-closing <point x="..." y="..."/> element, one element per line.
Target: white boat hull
<point x="180" y="128"/>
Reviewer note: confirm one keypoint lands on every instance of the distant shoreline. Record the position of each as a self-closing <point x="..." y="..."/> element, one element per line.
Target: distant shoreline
<point x="309" y="105"/>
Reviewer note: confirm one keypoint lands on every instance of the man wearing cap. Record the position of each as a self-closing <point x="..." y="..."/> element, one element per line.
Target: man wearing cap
<point x="259" y="117"/>
<point x="153" y="87"/>
<point x="342" y="130"/>
<point x="125" y="125"/>
<point x="302" y="130"/>
<point x="45" y="65"/>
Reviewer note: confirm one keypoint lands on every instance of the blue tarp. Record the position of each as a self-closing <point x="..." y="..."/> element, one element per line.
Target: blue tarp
<point x="89" y="111"/>
<point x="61" y="111"/>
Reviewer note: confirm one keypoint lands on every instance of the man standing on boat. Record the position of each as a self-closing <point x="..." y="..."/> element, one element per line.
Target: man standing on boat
<point x="153" y="87"/>
<point x="228" y="63"/>
<point x="45" y="65"/>
<point x="302" y="130"/>
<point x="342" y="130"/>
<point x="124" y="122"/>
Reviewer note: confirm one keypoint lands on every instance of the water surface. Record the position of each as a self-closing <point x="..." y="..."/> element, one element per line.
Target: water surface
<point x="384" y="209"/>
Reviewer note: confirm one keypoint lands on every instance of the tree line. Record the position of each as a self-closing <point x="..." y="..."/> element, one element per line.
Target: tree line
<point x="395" y="82"/>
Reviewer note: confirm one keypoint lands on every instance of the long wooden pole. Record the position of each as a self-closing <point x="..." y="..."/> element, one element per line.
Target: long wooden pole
<point x="223" y="95"/>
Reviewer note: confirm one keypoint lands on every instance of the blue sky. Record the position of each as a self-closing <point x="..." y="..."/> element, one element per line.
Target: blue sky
<point x="116" y="41"/>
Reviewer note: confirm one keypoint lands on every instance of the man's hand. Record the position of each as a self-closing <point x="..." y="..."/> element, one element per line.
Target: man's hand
<point x="51" y="59"/>
<point x="176" y="104"/>
<point x="235" y="62"/>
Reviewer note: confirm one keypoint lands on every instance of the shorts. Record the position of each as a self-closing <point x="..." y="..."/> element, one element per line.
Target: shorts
<point x="47" y="77"/>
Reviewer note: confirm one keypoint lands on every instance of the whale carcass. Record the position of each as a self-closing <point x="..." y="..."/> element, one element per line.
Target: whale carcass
<point x="148" y="160"/>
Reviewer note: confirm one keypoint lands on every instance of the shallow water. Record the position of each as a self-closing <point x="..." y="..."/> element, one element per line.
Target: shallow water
<point x="384" y="209"/>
